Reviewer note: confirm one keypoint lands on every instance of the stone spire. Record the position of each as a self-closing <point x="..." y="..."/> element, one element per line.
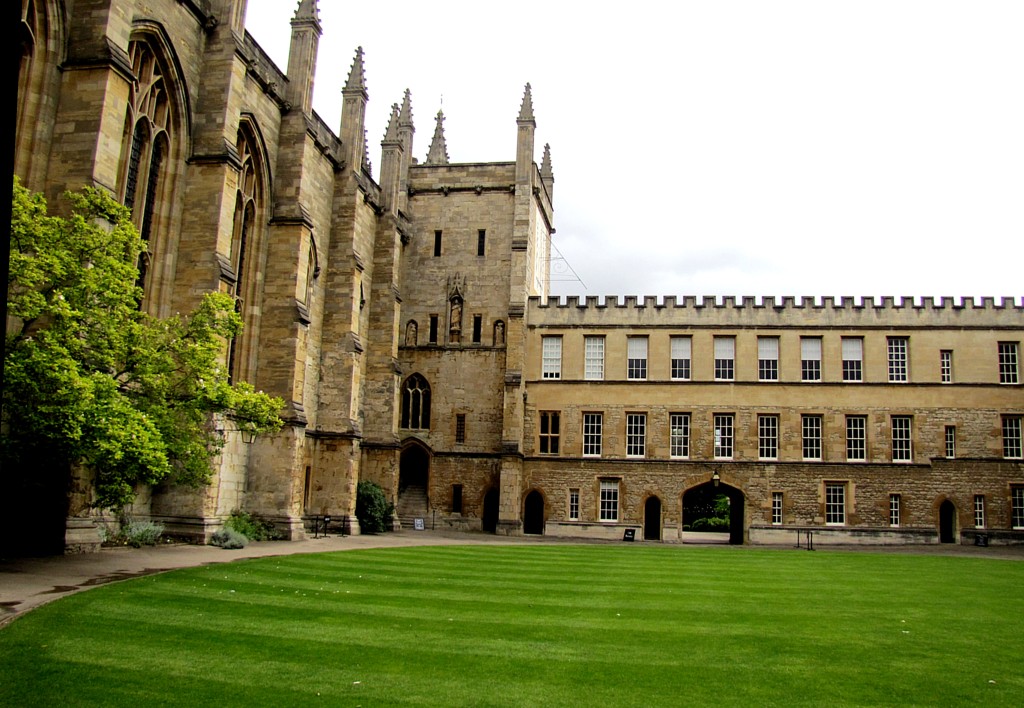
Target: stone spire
<point x="526" y="110"/>
<point x="405" y="125"/>
<point x="438" y="153"/>
<point x="391" y="134"/>
<point x="306" y="32"/>
<point x="357" y="76"/>
<point x="391" y="162"/>
<point x="308" y="10"/>
<point x="546" y="175"/>
<point x="353" y="115"/>
<point x="527" y="126"/>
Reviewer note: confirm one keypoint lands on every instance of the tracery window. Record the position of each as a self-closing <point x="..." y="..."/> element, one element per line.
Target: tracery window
<point x="416" y="403"/>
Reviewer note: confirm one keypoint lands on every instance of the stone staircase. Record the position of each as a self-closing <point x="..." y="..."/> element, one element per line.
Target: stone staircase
<point x="412" y="504"/>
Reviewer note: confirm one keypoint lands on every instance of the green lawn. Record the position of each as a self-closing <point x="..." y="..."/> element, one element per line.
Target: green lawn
<point x="588" y="625"/>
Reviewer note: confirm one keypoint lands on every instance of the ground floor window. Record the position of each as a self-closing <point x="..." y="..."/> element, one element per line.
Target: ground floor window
<point x="856" y="438"/>
<point x="768" y="437"/>
<point x="609" y="510"/>
<point x="679" y="442"/>
<point x="894" y="509"/>
<point x="951" y="441"/>
<point x="723" y="435"/>
<point x="574" y="505"/>
<point x="636" y="434"/>
<point x="979" y="511"/>
<point x="835" y="503"/>
<point x="592" y="423"/>
<point x="1017" y="504"/>
<point x="902" y="448"/>
<point x="776" y="508"/>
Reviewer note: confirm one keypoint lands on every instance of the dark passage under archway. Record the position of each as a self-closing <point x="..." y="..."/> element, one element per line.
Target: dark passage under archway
<point x="533" y="513"/>
<point x="413" y="479"/>
<point x="652" y="519"/>
<point x="490" y="517"/>
<point x="947" y="522"/>
<point x="706" y="502"/>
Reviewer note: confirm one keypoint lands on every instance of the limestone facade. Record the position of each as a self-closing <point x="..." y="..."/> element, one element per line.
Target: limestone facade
<point x="404" y="317"/>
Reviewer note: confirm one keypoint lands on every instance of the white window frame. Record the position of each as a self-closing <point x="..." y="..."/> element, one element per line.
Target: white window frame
<point x="811" y="433"/>
<point x="857" y="424"/>
<point x="679" y="435"/>
<point x="551" y="357"/>
<point x="853" y="359"/>
<point x="898" y="349"/>
<point x="950" y="441"/>
<point x="946" y="366"/>
<point x="768" y="437"/>
<point x="608" y="504"/>
<point x="902" y="438"/>
<point x="1009" y="363"/>
<point x="725" y="358"/>
<point x="636" y="434"/>
<point x="979" y="511"/>
<point x="636" y="358"/>
<point x="767" y="358"/>
<point x="810" y="359"/>
<point x="1012" y="441"/>
<point x="894" y="510"/>
<point x="724" y="431"/>
<point x="776" y="508"/>
<point x="593" y="358"/>
<point x="681" y="358"/>
<point x="835" y="503"/>
<point x="1017" y="507"/>
<point x="574" y="504"/>
<point x="593" y="424"/>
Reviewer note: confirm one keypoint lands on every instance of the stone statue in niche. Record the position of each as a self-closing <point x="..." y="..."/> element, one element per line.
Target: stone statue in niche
<point x="499" y="333"/>
<point x="410" y="334"/>
<point x="456" y="319"/>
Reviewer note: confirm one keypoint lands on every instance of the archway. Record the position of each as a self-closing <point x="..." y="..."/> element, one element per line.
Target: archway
<point x="947" y="522"/>
<point x="652" y="519"/>
<point x="490" y="517"/>
<point x="716" y="512"/>
<point x="413" y="483"/>
<point x="533" y="513"/>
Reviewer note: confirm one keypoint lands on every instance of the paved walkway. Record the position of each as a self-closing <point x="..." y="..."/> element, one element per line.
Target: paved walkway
<point x="27" y="583"/>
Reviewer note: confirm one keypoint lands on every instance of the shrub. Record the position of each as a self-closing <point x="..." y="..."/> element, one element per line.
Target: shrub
<point x="251" y="527"/>
<point x="373" y="509"/>
<point x="228" y="538"/>
<point x="709" y="524"/>
<point x="140" y="533"/>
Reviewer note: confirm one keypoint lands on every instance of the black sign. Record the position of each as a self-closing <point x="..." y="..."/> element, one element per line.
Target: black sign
<point x="629" y="534"/>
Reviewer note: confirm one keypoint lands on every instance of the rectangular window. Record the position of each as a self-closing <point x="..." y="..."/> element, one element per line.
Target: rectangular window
<point x="456" y="498"/>
<point x="853" y="359"/>
<point x="592" y="424"/>
<point x="550" y="423"/>
<point x="776" y="508"/>
<point x="1008" y="371"/>
<point x="679" y="435"/>
<point x="433" y="329"/>
<point x="1012" y="437"/>
<point x="437" y="244"/>
<point x="768" y="437"/>
<point x="551" y="358"/>
<point x="946" y="366"/>
<point x="478" y="322"/>
<point x="609" y="500"/>
<point x="481" y="242"/>
<point x="810" y="358"/>
<point x="894" y="509"/>
<point x="811" y="426"/>
<point x="593" y="352"/>
<point x="835" y="503"/>
<point x="898" y="359"/>
<point x="768" y="358"/>
<point x="636" y="357"/>
<point x="681" y="353"/>
<point x="460" y="427"/>
<point x="725" y="358"/>
<point x="979" y="511"/>
<point x="723" y="435"/>
<point x="951" y="441"/>
<point x="636" y="434"/>
<point x="856" y="438"/>
<point x="1017" y="507"/>
<point x="574" y="505"/>
<point x="902" y="444"/>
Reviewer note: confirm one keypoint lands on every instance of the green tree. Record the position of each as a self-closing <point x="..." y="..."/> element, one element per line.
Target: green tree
<point x="373" y="508"/>
<point x="90" y="379"/>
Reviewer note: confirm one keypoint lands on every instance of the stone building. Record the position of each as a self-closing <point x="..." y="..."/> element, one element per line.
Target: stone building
<point x="404" y="318"/>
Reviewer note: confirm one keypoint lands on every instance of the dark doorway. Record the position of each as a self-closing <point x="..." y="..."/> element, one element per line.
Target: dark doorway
<point x="533" y="513"/>
<point x="652" y="519"/>
<point x="714" y="511"/>
<point x="413" y="478"/>
<point x="947" y="522"/>
<point x="490" y="518"/>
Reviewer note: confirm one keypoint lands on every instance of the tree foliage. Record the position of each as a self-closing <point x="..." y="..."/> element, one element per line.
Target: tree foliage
<point x="92" y="380"/>
<point x="373" y="509"/>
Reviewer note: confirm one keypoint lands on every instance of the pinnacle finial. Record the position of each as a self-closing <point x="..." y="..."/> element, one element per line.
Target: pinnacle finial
<point x="367" y="165"/>
<point x="356" y="75"/>
<point x="438" y="153"/>
<point x="307" y="10"/>
<point x="405" y="116"/>
<point x="545" y="164"/>
<point x="391" y="134"/>
<point x="526" y="110"/>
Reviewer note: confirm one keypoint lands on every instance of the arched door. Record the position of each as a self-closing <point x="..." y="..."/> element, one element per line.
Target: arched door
<point x="413" y="483"/>
<point x="715" y="509"/>
<point x="652" y="519"/>
<point x="947" y="522"/>
<point x="533" y="513"/>
<point x="490" y="518"/>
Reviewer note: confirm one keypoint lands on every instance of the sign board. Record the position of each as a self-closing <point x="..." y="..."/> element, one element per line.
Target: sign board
<point x="629" y="534"/>
<point x="417" y="524"/>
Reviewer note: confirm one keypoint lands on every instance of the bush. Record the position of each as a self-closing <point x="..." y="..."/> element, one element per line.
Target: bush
<point x="252" y="528"/>
<point x="373" y="509"/>
<point x="709" y="524"/>
<point x="228" y="538"/>
<point x="132" y="533"/>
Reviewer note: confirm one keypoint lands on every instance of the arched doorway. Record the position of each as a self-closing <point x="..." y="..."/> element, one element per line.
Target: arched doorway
<point x="947" y="522"/>
<point x="533" y="513"/>
<point x="490" y="517"/>
<point x="715" y="510"/>
<point x="652" y="519"/>
<point x="413" y="483"/>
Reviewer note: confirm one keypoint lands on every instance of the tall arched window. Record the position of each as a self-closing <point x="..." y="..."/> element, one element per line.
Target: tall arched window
<point x="146" y="142"/>
<point x="416" y="403"/>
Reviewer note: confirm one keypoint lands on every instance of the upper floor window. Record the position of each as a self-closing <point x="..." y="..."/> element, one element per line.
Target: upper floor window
<point x="946" y="366"/>
<point x="481" y="242"/>
<point x="725" y="358"/>
<point x="810" y="358"/>
<point x="1012" y="437"/>
<point x="856" y="438"/>
<point x="768" y="437"/>
<point x="592" y="429"/>
<point x="897" y="347"/>
<point x="636" y="356"/>
<point x="679" y="435"/>
<point x="593" y="354"/>
<point x="853" y="359"/>
<point x="680" y="353"/>
<point x="723" y="435"/>
<point x="768" y="358"/>
<point x="636" y="434"/>
<point x="551" y="357"/>
<point x="902" y="442"/>
<point x="950" y="435"/>
<point x="550" y="425"/>
<point x="811" y="427"/>
<point x="437" y="243"/>
<point x="416" y="403"/>
<point x="1008" y="371"/>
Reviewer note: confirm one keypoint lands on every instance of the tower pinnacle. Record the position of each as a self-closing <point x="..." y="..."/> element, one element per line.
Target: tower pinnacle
<point x="438" y="153"/>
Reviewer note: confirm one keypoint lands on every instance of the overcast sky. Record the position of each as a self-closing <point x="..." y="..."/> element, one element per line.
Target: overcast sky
<point x="726" y="147"/>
